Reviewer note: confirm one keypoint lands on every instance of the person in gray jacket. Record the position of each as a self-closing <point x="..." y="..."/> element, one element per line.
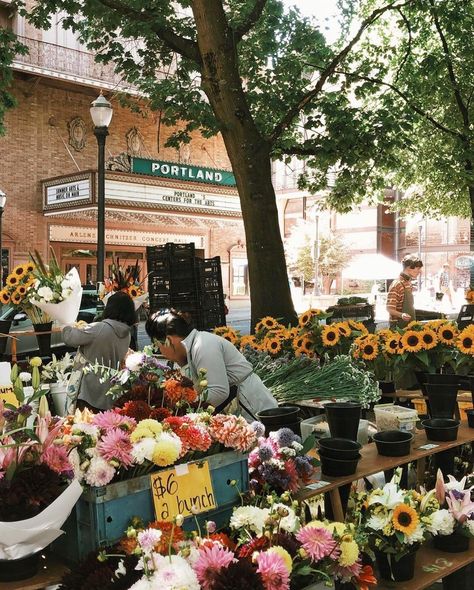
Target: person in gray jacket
<point x="232" y="385"/>
<point x="105" y="342"/>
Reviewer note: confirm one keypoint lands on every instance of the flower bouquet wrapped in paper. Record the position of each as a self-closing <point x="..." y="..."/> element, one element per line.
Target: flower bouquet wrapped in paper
<point x="55" y="293"/>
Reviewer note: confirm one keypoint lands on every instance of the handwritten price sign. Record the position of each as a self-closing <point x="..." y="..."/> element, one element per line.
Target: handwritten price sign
<point x="182" y="488"/>
<point x="7" y="395"/>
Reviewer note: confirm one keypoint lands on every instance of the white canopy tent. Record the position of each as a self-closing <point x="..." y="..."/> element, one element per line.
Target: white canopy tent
<point x="372" y="267"/>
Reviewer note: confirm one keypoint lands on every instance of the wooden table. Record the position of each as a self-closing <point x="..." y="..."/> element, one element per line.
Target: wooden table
<point x="16" y="335"/>
<point x="371" y="462"/>
<point x="50" y="573"/>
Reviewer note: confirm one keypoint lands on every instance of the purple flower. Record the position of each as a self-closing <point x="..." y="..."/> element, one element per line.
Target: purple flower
<point x="265" y="452"/>
<point x="258" y="428"/>
<point x="303" y="465"/>
<point x="24" y="410"/>
<point x="284" y="437"/>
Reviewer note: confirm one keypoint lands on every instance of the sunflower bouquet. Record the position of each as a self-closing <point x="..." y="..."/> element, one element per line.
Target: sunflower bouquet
<point x="394" y="521"/>
<point x="18" y="288"/>
<point x="127" y="280"/>
<point x="464" y="346"/>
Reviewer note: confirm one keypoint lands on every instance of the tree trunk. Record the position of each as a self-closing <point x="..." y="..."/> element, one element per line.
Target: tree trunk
<point x="471" y="235"/>
<point x="249" y="155"/>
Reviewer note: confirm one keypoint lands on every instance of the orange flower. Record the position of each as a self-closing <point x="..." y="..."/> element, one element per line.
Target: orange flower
<point x="366" y="578"/>
<point x="175" y="392"/>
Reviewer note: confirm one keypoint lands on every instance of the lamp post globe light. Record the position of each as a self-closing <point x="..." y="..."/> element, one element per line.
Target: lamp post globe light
<point x="3" y="202"/>
<point x="101" y="113"/>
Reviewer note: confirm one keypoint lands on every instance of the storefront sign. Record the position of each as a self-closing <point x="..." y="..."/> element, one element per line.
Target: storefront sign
<point x="170" y="198"/>
<point x="463" y="262"/>
<point x="62" y="194"/>
<point x="182" y="171"/>
<point x="120" y="237"/>
<point x="185" y="489"/>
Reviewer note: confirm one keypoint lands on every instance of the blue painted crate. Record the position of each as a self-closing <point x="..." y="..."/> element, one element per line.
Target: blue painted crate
<point x="102" y="515"/>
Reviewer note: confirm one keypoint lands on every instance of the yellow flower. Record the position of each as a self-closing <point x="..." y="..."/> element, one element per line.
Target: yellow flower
<point x="428" y="338"/>
<point x="349" y="553"/>
<point x="330" y="336"/>
<point x="344" y="329"/>
<point x="284" y="554"/>
<point x="307" y="344"/>
<point x="414" y="324"/>
<point x="30" y="267"/>
<point x="358" y="326"/>
<point x="273" y="345"/>
<point x="230" y="336"/>
<point x="36" y="361"/>
<point x="405" y="519"/>
<point x="247" y="340"/>
<point x="465" y="342"/>
<point x="151" y="424"/>
<point x="166" y="452"/>
<point x="298" y="342"/>
<point x="411" y="341"/>
<point x="4" y="297"/>
<point x="369" y="350"/>
<point x="12" y="280"/>
<point x="19" y="271"/>
<point x="306" y="317"/>
<point x="392" y="343"/>
<point x="267" y="322"/>
<point x="447" y="333"/>
<point x="220" y="330"/>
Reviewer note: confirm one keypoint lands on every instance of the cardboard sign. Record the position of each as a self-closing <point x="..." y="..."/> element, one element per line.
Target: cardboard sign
<point x="184" y="489"/>
<point x="6" y="389"/>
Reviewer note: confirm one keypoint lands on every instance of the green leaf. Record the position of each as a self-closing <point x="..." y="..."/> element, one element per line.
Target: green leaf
<point x="309" y="443"/>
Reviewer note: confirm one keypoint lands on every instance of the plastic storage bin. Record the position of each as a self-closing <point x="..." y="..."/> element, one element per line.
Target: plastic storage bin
<point x="102" y="515"/>
<point x="392" y="417"/>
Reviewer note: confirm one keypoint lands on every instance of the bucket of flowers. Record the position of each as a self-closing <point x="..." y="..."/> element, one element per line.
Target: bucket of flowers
<point x="394" y="523"/>
<point x="37" y="485"/>
<point x="56" y="373"/>
<point x="127" y="280"/>
<point x="453" y="524"/>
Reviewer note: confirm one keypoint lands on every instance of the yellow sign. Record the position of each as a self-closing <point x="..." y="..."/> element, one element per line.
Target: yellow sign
<point x="7" y="395"/>
<point x="184" y="489"/>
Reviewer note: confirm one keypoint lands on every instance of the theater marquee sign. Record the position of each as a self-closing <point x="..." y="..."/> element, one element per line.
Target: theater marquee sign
<point x="121" y="237"/>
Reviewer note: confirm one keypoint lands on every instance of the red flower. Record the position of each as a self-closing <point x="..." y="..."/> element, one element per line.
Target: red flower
<point x="138" y="409"/>
<point x="366" y="578"/>
<point x="257" y="544"/>
<point x="160" y="414"/>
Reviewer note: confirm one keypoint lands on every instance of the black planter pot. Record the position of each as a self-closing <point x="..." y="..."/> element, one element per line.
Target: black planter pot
<point x="387" y="386"/>
<point x="343" y="419"/>
<point x="44" y="340"/>
<point x="396" y="571"/>
<point x="393" y="443"/>
<point x="442" y="400"/>
<point x="5" y="326"/>
<point x="441" y="429"/>
<point x="444" y="461"/>
<point x="470" y="418"/>
<point x="339" y="448"/>
<point x="281" y="417"/>
<point x="338" y="467"/>
<point x="437" y="378"/>
<point x="343" y="585"/>
<point x="12" y="570"/>
<point x="453" y="543"/>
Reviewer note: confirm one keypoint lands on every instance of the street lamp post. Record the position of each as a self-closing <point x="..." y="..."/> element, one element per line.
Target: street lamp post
<point x="3" y="202"/>
<point x="316" y="291"/>
<point x="420" y="232"/>
<point x="101" y="113"/>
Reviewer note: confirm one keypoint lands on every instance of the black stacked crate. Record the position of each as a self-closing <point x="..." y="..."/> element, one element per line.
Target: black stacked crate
<point x="178" y="279"/>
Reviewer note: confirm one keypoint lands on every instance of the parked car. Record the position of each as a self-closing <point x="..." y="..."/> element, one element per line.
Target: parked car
<point x="27" y="345"/>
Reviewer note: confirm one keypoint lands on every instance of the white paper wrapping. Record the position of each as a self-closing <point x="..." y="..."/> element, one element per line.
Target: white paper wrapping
<point x="21" y="538"/>
<point x="65" y="312"/>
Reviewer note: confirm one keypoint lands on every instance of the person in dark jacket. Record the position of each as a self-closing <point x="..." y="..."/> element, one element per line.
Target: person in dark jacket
<point x="105" y="342"/>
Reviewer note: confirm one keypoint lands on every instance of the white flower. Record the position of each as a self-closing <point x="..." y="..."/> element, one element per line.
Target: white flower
<point x="120" y="571"/>
<point x="250" y="517"/>
<point x="378" y="521"/>
<point x="389" y="496"/>
<point x="148" y="539"/>
<point x="469" y="524"/>
<point x="76" y="464"/>
<point x="25" y="377"/>
<point x="65" y="293"/>
<point x="416" y="536"/>
<point x="442" y="522"/>
<point x="142" y="584"/>
<point x="173" y="573"/>
<point x="297" y="446"/>
<point x="143" y="449"/>
<point x="85" y="428"/>
<point x="45" y="293"/>
<point x="134" y="361"/>
<point x="100" y="473"/>
<point x="290" y="523"/>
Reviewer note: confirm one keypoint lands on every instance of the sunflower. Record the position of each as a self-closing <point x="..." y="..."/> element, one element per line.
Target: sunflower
<point x="300" y="351"/>
<point x="230" y="336"/>
<point x="428" y="338"/>
<point x="268" y="322"/>
<point x="19" y="271"/>
<point x="413" y="324"/>
<point x="305" y="318"/>
<point x="16" y="298"/>
<point x="12" y="280"/>
<point x="392" y="343"/>
<point x="220" y="330"/>
<point x="447" y="333"/>
<point x="298" y="342"/>
<point x="330" y="336"/>
<point x="132" y="291"/>
<point x="405" y="519"/>
<point x="307" y="344"/>
<point x="465" y="342"/>
<point x="30" y="267"/>
<point x="273" y="345"/>
<point x="4" y="297"/>
<point x="344" y="328"/>
<point x="21" y="289"/>
<point x="369" y="350"/>
<point x="358" y="326"/>
<point x="246" y="340"/>
<point x="411" y="341"/>
<point x="293" y="332"/>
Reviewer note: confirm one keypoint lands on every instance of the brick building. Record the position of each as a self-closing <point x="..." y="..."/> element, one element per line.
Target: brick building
<point x="153" y="194"/>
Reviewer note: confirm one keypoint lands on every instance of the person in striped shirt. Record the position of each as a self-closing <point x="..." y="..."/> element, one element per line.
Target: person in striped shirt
<point x="400" y="303"/>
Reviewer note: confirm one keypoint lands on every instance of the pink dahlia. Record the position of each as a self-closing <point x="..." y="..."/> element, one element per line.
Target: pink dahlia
<point x="273" y="571"/>
<point x="210" y="562"/>
<point x="346" y="573"/>
<point x="318" y="543"/>
<point x="112" y="419"/>
<point x="233" y="432"/>
<point x="56" y="458"/>
<point x="115" y="444"/>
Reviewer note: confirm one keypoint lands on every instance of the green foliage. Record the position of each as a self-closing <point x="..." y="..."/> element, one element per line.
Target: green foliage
<point x="304" y="264"/>
<point x="333" y="255"/>
<point x="9" y="47"/>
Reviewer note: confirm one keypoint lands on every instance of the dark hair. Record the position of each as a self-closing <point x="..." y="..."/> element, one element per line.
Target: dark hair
<point x="411" y="261"/>
<point x="120" y="307"/>
<point x="168" y="322"/>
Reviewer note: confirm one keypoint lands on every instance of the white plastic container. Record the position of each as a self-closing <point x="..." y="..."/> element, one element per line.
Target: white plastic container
<point x="392" y="417"/>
